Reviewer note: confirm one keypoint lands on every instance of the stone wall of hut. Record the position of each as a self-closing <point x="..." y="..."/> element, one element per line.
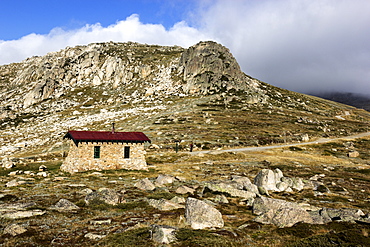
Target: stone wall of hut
<point x="81" y="158"/>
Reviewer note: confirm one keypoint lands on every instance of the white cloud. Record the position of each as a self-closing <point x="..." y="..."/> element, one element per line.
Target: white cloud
<point x="130" y="29"/>
<point x="303" y="45"/>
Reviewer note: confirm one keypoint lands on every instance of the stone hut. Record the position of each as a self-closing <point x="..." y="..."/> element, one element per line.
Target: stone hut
<point x="105" y="150"/>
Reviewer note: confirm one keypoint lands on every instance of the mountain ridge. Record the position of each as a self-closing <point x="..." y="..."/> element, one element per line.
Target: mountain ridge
<point x="196" y="95"/>
<point x="353" y="99"/>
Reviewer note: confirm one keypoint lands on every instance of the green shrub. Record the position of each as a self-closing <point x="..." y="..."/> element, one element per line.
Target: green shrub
<point x="135" y="237"/>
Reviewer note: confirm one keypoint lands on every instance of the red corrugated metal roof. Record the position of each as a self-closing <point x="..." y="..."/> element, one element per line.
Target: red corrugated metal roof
<point x="106" y="136"/>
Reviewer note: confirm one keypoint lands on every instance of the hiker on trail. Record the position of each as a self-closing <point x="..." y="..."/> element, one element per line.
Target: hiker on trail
<point x="191" y="147"/>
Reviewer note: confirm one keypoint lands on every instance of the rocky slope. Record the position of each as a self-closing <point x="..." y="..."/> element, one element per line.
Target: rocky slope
<point x="195" y="95"/>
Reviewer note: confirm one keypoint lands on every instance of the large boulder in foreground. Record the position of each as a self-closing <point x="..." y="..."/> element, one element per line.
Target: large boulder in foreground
<point x="279" y="212"/>
<point x="201" y="215"/>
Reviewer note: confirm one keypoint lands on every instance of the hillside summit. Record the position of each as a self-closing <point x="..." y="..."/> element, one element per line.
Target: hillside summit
<point x="195" y="95"/>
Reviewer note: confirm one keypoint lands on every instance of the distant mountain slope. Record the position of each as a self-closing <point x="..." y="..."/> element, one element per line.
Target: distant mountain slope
<point x="353" y="99"/>
<point x="197" y="95"/>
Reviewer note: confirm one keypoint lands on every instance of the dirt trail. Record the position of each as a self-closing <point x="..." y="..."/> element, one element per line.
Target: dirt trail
<point x="322" y="140"/>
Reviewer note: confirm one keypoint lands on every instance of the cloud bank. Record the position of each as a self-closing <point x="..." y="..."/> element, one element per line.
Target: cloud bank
<point x="300" y="45"/>
<point x="305" y="46"/>
<point x="130" y="29"/>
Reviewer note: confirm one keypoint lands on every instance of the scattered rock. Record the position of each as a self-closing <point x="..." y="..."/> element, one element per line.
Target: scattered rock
<point x="279" y="212"/>
<point x="164" y="205"/>
<point x="252" y="188"/>
<point x="22" y="214"/>
<point x="229" y="187"/>
<point x="241" y="180"/>
<point x="221" y="199"/>
<point x="282" y="186"/>
<point x="60" y="178"/>
<point x="42" y="168"/>
<point x="266" y="178"/>
<point x="154" y="146"/>
<point x="7" y="163"/>
<point x="201" y="215"/>
<point x="164" y="179"/>
<point x="275" y="181"/>
<point x="101" y="222"/>
<point x="15" y="182"/>
<point x="184" y="190"/>
<point x="297" y="184"/>
<point x="63" y="205"/>
<point x="76" y="185"/>
<point x="326" y="215"/>
<point x="14" y="229"/>
<point x="178" y="199"/>
<point x="14" y="173"/>
<point x="106" y="195"/>
<point x="163" y="234"/>
<point x="42" y="174"/>
<point x="353" y="154"/>
<point x="344" y="214"/>
<point x="145" y="184"/>
<point x="86" y="191"/>
<point x="94" y="236"/>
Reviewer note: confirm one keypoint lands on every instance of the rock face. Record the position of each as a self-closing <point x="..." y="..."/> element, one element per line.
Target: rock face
<point x="200" y="215"/>
<point x="211" y="68"/>
<point x="205" y="67"/>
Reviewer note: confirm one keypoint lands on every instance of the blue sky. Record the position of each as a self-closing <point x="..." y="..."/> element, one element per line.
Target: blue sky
<point x="22" y="17"/>
<point x="301" y="45"/>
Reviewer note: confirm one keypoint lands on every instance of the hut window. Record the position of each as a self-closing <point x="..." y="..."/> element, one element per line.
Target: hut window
<point x="127" y="153"/>
<point x="96" y="152"/>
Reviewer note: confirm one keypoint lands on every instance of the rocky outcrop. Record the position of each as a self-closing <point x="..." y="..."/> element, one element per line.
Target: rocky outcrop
<point x="267" y="180"/>
<point x="210" y="68"/>
<point x="99" y="76"/>
<point x="129" y="68"/>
